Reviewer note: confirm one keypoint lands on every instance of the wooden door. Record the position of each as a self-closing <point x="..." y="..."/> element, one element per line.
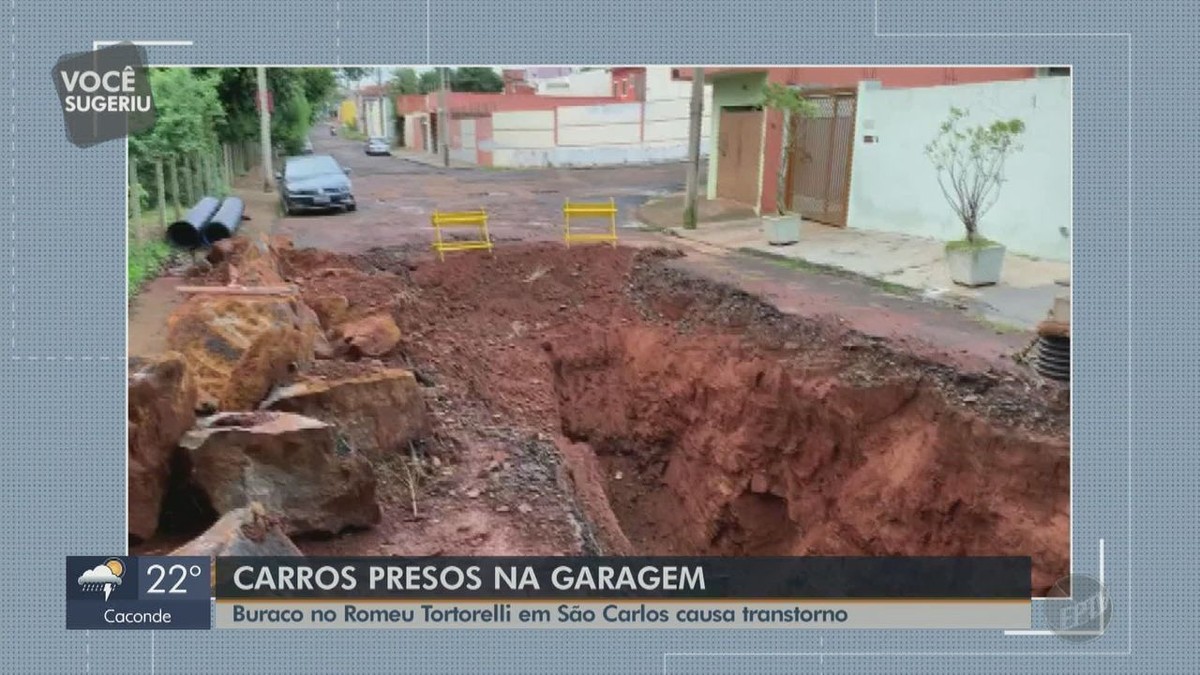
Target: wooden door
<point x="739" y="145"/>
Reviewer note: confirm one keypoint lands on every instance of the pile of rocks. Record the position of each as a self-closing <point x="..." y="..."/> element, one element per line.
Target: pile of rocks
<point x="234" y="413"/>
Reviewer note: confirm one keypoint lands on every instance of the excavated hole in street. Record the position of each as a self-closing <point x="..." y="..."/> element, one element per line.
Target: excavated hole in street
<point x="706" y="446"/>
<point x="697" y="419"/>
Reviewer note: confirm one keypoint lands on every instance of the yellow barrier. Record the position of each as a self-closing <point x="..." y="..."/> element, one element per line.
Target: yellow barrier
<point x="458" y="219"/>
<point x="578" y="210"/>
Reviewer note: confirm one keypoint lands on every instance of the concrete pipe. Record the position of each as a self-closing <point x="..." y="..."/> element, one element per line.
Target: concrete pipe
<point x="189" y="232"/>
<point x="225" y="221"/>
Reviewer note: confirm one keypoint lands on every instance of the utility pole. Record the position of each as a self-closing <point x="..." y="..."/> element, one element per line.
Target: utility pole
<point x="264" y="130"/>
<point x="382" y="117"/>
<point x="444" y="120"/>
<point x="693" y="171"/>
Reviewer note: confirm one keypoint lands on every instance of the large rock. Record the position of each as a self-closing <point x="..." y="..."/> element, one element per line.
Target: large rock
<point x="249" y="261"/>
<point x="295" y="466"/>
<point x="310" y="325"/>
<point x="248" y="531"/>
<point x="239" y="347"/>
<point x="375" y="335"/>
<point x="331" y="308"/>
<point x="378" y="413"/>
<point x="162" y="403"/>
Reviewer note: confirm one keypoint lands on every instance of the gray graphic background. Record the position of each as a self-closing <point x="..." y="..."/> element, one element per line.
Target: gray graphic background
<point x="62" y="312"/>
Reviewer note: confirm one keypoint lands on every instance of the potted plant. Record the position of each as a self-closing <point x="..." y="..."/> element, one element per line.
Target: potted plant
<point x="783" y="227"/>
<point x="969" y="161"/>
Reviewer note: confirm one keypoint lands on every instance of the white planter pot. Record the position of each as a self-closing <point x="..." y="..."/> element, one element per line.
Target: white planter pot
<point x="976" y="266"/>
<point x="782" y="230"/>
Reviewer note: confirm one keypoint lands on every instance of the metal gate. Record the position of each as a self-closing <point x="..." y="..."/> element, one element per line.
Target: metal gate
<point x="818" y="172"/>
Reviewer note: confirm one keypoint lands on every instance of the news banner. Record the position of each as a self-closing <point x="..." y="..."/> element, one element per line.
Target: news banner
<point x="198" y="593"/>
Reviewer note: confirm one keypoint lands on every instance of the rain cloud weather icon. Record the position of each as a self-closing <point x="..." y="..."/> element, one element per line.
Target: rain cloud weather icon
<point x="103" y="577"/>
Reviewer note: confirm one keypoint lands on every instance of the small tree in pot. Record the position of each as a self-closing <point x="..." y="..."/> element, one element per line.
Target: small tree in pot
<point x="969" y="161"/>
<point x="783" y="227"/>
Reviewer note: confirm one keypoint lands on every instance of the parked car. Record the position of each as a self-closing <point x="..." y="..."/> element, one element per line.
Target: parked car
<point x="314" y="182"/>
<point x="308" y="148"/>
<point x="378" y="146"/>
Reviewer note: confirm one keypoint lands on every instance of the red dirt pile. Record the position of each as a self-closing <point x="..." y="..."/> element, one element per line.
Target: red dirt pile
<point x="697" y="418"/>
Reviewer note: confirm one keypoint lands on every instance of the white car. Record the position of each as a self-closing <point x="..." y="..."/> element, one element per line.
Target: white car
<point x="378" y="146"/>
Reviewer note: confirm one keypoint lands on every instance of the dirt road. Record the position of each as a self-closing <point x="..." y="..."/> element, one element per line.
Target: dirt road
<point x="396" y="196"/>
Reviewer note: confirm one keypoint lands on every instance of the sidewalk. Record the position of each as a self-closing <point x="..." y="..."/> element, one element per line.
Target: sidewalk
<point x="1024" y="295"/>
<point x="429" y="159"/>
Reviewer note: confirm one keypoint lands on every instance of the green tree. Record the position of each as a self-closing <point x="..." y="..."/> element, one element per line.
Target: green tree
<point x="795" y="107"/>
<point x="320" y="85"/>
<point x="969" y="161"/>
<point x="476" y="79"/>
<point x="293" y="115"/>
<point x="188" y="114"/>
<point x="354" y="74"/>
<point x="404" y="81"/>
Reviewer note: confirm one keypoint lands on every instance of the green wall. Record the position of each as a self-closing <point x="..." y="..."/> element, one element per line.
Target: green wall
<point x="730" y="90"/>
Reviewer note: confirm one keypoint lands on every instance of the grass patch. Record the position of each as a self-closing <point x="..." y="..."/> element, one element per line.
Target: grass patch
<point x="148" y="250"/>
<point x="146" y="259"/>
<point x="968" y="245"/>
<point x="816" y="268"/>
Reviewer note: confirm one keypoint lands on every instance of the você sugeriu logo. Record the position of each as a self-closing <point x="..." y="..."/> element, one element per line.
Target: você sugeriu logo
<point x="105" y="93"/>
<point x="103" y="578"/>
<point x="110" y="91"/>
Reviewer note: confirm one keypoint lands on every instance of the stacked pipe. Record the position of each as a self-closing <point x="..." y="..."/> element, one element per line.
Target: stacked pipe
<point x="188" y="232"/>
<point x="209" y="221"/>
<point x="1053" y="359"/>
<point x="225" y="221"/>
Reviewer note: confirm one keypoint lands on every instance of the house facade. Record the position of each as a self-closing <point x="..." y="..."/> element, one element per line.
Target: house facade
<point x="860" y="161"/>
<point x="640" y="116"/>
<point x="374" y="108"/>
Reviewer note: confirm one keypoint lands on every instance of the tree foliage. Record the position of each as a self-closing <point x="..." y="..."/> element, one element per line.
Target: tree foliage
<point x="188" y="113"/>
<point x="794" y="106"/>
<point x="404" y="81"/>
<point x="969" y="161"/>
<point x="429" y="81"/>
<point x="198" y="109"/>
<point x="484" y="80"/>
<point x="354" y="74"/>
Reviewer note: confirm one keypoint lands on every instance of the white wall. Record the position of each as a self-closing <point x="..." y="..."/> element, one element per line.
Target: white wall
<point x="582" y="83"/>
<point x="668" y="108"/>
<point x="894" y="188"/>
<point x="465" y="153"/>
<point x="371" y="124"/>
<point x="520" y="134"/>
<point x="598" y="125"/>
<point x="603" y="135"/>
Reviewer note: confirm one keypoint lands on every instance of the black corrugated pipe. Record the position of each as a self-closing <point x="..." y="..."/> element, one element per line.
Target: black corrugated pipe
<point x="225" y="221"/>
<point x="189" y="232"/>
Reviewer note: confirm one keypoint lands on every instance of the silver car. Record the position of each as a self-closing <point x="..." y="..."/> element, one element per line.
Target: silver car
<point x="378" y="146"/>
